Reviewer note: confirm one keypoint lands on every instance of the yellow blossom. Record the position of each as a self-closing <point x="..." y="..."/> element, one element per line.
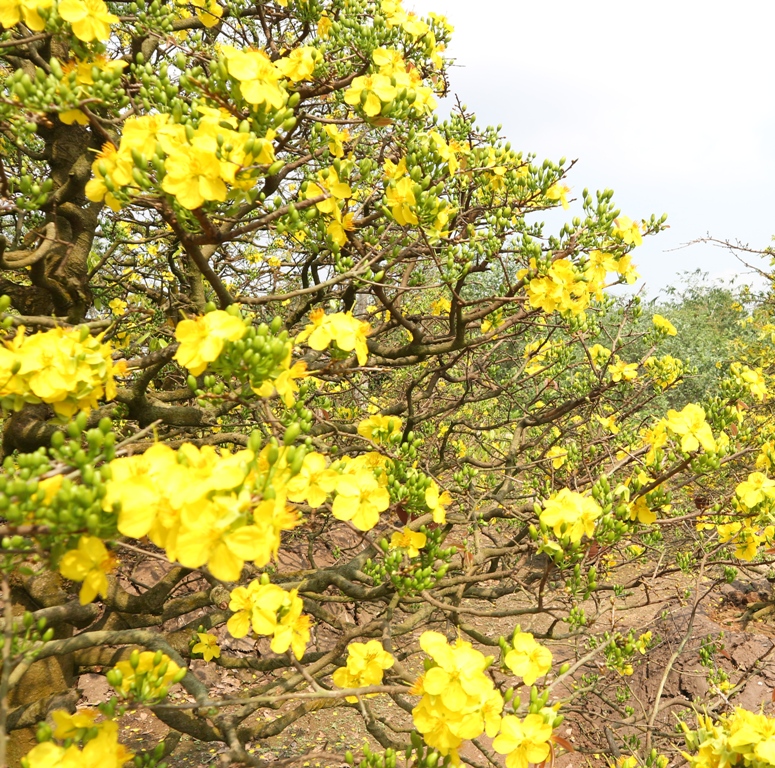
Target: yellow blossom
<point x="90" y="19"/>
<point x="360" y="499"/>
<point x="201" y="340"/>
<point x="90" y="564"/>
<point x="346" y="331"/>
<point x="570" y="514"/>
<point x="370" y="92"/>
<point x="523" y="741"/>
<point x="411" y="541"/>
<point x="14" y="11"/>
<point x="527" y="658"/>
<point x="627" y="230"/>
<point x="207" y="11"/>
<point x="621" y="371"/>
<point x="366" y="664"/>
<point x="664" y="325"/>
<point x="690" y="424"/>
<point x="437" y="501"/>
<point x="207" y="646"/>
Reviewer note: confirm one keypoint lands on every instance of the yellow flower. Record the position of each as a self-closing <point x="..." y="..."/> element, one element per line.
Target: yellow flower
<point x="293" y="631"/>
<point x="201" y="340"/>
<point x="324" y="26"/>
<point x="67" y="725"/>
<point x="664" y="325"/>
<point x="207" y="646"/>
<point x="411" y="541"/>
<point x="258" y="77"/>
<point x="753" y="379"/>
<point x="528" y="659"/>
<point x="691" y="425"/>
<point x="366" y="664"/>
<point x="89" y="564"/>
<point x="299" y="64"/>
<point x="370" y="92"/>
<point x="570" y="514"/>
<point x="621" y="371"/>
<point x="360" y="499"/>
<point x="640" y="511"/>
<point x="207" y="11"/>
<point x="755" y="490"/>
<point x="336" y="139"/>
<point x="14" y="11"/>
<point x="628" y="231"/>
<point x="559" y="192"/>
<point x="458" y="700"/>
<point x="109" y="163"/>
<point x="102" y="751"/>
<point x="105" y="750"/>
<point x="379" y="427"/>
<point x="609" y="423"/>
<point x="437" y="502"/>
<point x="270" y="610"/>
<point x="401" y="199"/>
<point x="193" y="176"/>
<point x="346" y="331"/>
<point x="442" y="306"/>
<point x="458" y="674"/>
<point x="90" y="19"/>
<point x="117" y="306"/>
<point x="314" y="482"/>
<point x="46" y="755"/>
<point x="523" y="741"/>
<point x="558" y="456"/>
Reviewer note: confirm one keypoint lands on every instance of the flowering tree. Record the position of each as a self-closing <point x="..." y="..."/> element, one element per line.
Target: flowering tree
<point x="271" y="322"/>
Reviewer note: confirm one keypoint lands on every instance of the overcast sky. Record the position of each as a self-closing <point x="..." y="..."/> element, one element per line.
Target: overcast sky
<point x="669" y="103"/>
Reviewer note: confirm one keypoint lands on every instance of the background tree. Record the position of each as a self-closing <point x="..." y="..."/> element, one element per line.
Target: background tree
<point x="273" y="323"/>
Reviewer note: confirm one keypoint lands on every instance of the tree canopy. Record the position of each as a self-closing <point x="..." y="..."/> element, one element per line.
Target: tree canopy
<point x="275" y="326"/>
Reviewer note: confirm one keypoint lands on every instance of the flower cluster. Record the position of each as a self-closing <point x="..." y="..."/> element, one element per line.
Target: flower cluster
<point x="358" y="485"/>
<point x="458" y="700"/>
<point x="746" y="536"/>
<point x="256" y="358"/>
<point x="146" y="676"/>
<point x="103" y="750"/>
<point x="193" y="165"/>
<point x="270" y="610"/>
<point x="411" y="200"/>
<point x="69" y="369"/>
<point x="197" y="504"/>
<point x="366" y="665"/>
<point x="384" y="92"/>
<point x="570" y="514"/>
<point x="740" y="738"/>
<point x="561" y="289"/>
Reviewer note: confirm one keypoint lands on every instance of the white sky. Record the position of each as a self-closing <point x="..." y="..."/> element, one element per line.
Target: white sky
<point x="670" y="103"/>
